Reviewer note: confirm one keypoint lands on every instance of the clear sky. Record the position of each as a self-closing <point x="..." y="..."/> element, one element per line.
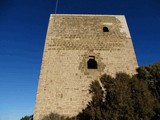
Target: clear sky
<point x="23" y="26"/>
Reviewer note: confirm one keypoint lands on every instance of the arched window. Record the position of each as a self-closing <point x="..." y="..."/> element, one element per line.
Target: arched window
<point x="92" y="64"/>
<point x="105" y="29"/>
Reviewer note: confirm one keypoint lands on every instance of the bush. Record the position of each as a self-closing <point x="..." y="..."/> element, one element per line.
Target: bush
<point x="27" y="118"/>
<point x="54" y="116"/>
<point x="151" y="74"/>
<point x="124" y="98"/>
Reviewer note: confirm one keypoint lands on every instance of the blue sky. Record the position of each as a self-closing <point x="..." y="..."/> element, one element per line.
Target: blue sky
<point x="23" y="26"/>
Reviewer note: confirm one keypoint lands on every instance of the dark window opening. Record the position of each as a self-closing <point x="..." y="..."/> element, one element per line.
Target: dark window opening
<point x="105" y="29"/>
<point x="92" y="64"/>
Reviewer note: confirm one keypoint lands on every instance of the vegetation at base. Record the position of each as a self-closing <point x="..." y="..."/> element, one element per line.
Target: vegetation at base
<point x="54" y="116"/>
<point x="123" y="97"/>
<point x="27" y="118"/>
<point x="151" y="74"/>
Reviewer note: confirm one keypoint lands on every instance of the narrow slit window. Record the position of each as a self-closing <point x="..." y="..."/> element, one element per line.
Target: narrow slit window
<point x="105" y="29"/>
<point x="92" y="64"/>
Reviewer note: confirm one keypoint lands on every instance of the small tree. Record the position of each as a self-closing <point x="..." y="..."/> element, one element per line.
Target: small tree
<point x="124" y="98"/>
<point x="151" y="74"/>
<point x="54" y="116"/>
<point x="27" y="118"/>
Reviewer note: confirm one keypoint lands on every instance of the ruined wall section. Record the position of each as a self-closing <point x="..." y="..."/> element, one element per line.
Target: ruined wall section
<point x="64" y="78"/>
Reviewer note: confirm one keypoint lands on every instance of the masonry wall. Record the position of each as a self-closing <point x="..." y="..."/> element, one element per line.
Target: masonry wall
<point x="65" y="78"/>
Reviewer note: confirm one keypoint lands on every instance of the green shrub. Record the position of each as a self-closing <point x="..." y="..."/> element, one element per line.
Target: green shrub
<point x="124" y="98"/>
<point x="151" y="74"/>
<point x="54" y="116"/>
<point x="27" y="118"/>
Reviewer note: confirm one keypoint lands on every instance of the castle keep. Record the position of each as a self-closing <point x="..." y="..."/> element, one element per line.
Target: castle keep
<point x="79" y="49"/>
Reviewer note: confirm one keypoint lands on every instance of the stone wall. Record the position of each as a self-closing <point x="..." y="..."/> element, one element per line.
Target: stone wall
<point x="71" y="40"/>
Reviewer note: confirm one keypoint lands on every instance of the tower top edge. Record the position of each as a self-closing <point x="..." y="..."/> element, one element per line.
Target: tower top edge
<point x="52" y="15"/>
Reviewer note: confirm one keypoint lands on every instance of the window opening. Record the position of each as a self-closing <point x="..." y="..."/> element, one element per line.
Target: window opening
<point x="105" y="29"/>
<point x="92" y="64"/>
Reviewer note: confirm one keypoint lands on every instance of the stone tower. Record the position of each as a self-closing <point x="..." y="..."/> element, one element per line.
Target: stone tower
<point x="79" y="49"/>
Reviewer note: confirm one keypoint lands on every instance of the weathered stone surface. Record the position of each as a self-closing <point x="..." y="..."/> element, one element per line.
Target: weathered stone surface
<point x="71" y="41"/>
